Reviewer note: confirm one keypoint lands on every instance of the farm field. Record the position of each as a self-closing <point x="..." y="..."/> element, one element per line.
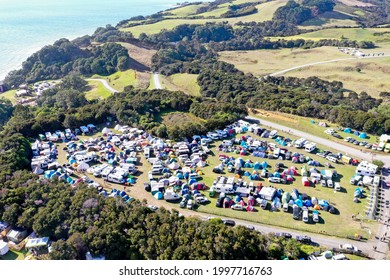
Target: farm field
<point x="304" y="124"/>
<point x="182" y="82"/>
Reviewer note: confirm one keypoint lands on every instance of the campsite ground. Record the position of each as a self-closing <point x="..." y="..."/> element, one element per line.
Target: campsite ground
<point x="329" y="224"/>
<point x="182" y="82"/>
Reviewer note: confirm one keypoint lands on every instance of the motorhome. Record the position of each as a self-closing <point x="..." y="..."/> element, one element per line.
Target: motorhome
<point x="300" y="143"/>
<point x="116" y="178"/>
<point x="147" y="152"/>
<point x="85" y="158"/>
<point x="366" y="169"/>
<point x="107" y="172"/>
<point x="310" y="147"/>
<point x="97" y="171"/>
<point x="225" y="188"/>
<point x="273" y="134"/>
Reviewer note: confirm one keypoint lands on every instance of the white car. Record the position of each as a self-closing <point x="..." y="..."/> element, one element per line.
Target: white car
<point x="237" y="207"/>
<point x="349" y="247"/>
<point x="201" y="199"/>
<point x="274" y="179"/>
<point x="153" y="207"/>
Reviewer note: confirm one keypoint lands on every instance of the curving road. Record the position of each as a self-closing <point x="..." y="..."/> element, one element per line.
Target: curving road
<point x="345" y="149"/>
<point x="324" y="62"/>
<point x="105" y="84"/>
<point x="157" y="83"/>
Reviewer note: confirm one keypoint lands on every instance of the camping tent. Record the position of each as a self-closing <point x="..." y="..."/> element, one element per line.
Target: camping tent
<point x="286" y="197"/>
<point x="348" y="130"/>
<point x="174" y="166"/>
<point x="106" y="131"/>
<point x="201" y="163"/>
<point x="159" y="196"/>
<point x="37" y="170"/>
<point x="357" y="133"/>
<point x="305" y="182"/>
<point x="82" y="167"/>
<point x="363" y="135"/>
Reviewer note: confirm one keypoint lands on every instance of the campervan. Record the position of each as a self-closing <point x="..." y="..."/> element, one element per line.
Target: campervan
<point x="98" y="170"/>
<point x="84" y="129"/>
<point x="337" y="187"/>
<point x="107" y="172"/>
<point x="366" y="169"/>
<point x="285" y="207"/>
<point x="305" y="215"/>
<point x="85" y="158"/>
<point x="300" y="143"/>
<point x="310" y="147"/>
<point x="116" y="178"/>
<point x="273" y="134"/>
<point x="147" y="152"/>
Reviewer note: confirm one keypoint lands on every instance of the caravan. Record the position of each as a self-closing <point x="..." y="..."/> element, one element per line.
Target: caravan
<point x="300" y="143"/>
<point x="107" y="172"/>
<point x="310" y="147"/>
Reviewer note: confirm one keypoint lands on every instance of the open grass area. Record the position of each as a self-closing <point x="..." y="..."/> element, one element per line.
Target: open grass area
<point x="264" y="62"/>
<point x="178" y="118"/>
<point x="358" y="34"/>
<point x="97" y="91"/>
<point x="120" y="80"/>
<point x="182" y="82"/>
<point x="330" y="19"/>
<point x="369" y="75"/>
<point x="184" y="11"/>
<point x="305" y="125"/>
<point x="10" y="94"/>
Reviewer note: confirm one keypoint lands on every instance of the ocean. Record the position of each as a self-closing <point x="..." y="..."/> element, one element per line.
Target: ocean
<point x="28" y="25"/>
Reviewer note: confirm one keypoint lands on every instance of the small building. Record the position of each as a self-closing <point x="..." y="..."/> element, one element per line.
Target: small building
<point x="38" y="245"/>
<point x="16" y="235"/>
<point x="267" y="193"/>
<point x="21" y="92"/>
<point x="384" y="138"/>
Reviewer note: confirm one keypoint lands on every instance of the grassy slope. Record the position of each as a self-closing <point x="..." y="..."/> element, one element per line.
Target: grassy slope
<point x="120" y="80"/>
<point x="373" y="77"/>
<point x="359" y="34"/>
<point x="183" y="82"/>
<point x="330" y="19"/>
<point x="263" y="62"/>
<point x="10" y="94"/>
<point x="97" y="91"/>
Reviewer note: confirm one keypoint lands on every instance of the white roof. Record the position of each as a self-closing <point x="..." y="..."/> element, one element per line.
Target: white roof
<point x="37" y="242"/>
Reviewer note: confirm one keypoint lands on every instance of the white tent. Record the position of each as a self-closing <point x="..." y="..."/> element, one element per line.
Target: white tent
<point x="201" y="163"/>
<point x="3" y="248"/>
<point x="174" y="166"/>
<point x="82" y="167"/>
<point x="117" y="127"/>
<point x="37" y="170"/>
<point x="106" y="130"/>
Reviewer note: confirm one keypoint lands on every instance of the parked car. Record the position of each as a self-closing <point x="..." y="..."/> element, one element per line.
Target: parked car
<point x="183" y="202"/>
<point x="237" y="207"/>
<point x="153" y="207"/>
<point x="230" y="223"/>
<point x="250" y="227"/>
<point x="315" y="216"/>
<point x="190" y="204"/>
<point x="305" y="214"/>
<point x="323" y="183"/>
<point x="349" y="247"/>
<point x="304" y="239"/>
<point x="201" y="199"/>
<point x="296" y="212"/>
<point x="274" y="179"/>
<point x="330" y="183"/>
<point x="284" y="234"/>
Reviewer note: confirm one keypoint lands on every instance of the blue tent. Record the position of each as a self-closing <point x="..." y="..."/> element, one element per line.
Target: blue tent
<point x="298" y="202"/>
<point x="193" y="180"/>
<point x="276" y="174"/>
<point x="237" y="198"/>
<point x="264" y="164"/>
<point x="131" y="180"/>
<point x="358" y="192"/>
<point x="185" y="191"/>
<point x="363" y="135"/>
<point x="254" y="177"/>
<point x="308" y="203"/>
<point x="180" y="175"/>
<point x="70" y="180"/>
<point x="248" y="165"/>
<point x="159" y="196"/>
<point x="348" y="130"/>
<point x="247" y="173"/>
<point x="257" y="166"/>
<point x="357" y="133"/>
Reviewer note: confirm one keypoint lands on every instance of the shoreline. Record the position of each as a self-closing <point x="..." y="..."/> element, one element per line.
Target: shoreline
<point x="17" y="60"/>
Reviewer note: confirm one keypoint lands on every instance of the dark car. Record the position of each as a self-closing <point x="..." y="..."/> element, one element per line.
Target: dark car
<point x="304" y="239"/>
<point x="219" y="202"/>
<point x="147" y="187"/>
<point x="296" y="212"/>
<point x="229" y="223"/>
<point x="284" y="234"/>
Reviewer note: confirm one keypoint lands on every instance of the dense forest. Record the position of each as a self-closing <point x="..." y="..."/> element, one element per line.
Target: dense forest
<point x="79" y="220"/>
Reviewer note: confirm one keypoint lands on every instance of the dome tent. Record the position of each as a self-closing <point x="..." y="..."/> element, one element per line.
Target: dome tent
<point x="82" y="167"/>
<point x="159" y="196"/>
<point x="363" y="135"/>
<point x="106" y="131"/>
<point x="348" y="130"/>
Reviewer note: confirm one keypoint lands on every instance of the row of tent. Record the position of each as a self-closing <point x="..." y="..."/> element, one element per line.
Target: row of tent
<point x="361" y="135"/>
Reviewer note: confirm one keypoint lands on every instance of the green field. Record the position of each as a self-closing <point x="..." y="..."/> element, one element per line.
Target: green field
<point x="185" y="11"/>
<point x="358" y="34"/>
<point x="120" y="80"/>
<point x="97" y="91"/>
<point x="10" y="94"/>
<point x="14" y="255"/>
<point x="330" y="19"/>
<point x="182" y="82"/>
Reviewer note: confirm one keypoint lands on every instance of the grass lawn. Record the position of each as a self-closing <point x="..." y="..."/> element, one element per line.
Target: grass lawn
<point x="304" y="124"/>
<point x="265" y="11"/>
<point x="120" y="80"/>
<point x="14" y="255"/>
<point x="355" y="258"/>
<point x="10" y="94"/>
<point x="183" y="82"/>
<point x="359" y="34"/>
<point x="97" y="91"/>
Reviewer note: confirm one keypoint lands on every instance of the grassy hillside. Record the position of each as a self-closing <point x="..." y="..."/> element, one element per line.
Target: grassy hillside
<point x="97" y="91"/>
<point x="330" y="19"/>
<point x="10" y="94"/>
<point x="120" y="80"/>
<point x="359" y="34"/>
<point x="182" y="82"/>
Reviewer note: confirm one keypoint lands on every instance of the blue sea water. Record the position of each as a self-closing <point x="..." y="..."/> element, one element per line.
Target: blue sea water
<point x="28" y="25"/>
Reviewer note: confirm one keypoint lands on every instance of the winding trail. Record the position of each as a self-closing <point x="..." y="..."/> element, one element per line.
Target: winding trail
<point x="157" y="83"/>
<point x="325" y="62"/>
<point x="105" y="84"/>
